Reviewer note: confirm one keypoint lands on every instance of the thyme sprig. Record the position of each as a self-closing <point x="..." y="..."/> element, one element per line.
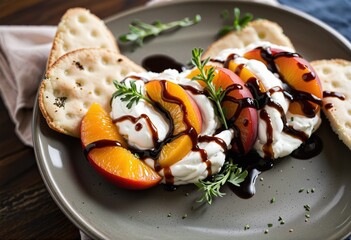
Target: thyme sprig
<point x="206" y="75"/>
<point x="230" y="173"/>
<point x="238" y="24"/>
<point x="139" y="30"/>
<point x="131" y="93"/>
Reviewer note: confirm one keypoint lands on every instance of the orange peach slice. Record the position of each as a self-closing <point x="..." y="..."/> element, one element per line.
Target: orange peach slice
<point x="108" y="155"/>
<point x="184" y="115"/>
<point x="237" y="106"/>
<point x="298" y="74"/>
<point x="245" y="74"/>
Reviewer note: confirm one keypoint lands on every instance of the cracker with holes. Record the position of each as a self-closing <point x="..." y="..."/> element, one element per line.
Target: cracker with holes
<point x="255" y="31"/>
<point x="335" y="76"/>
<point x="77" y="29"/>
<point x="75" y="81"/>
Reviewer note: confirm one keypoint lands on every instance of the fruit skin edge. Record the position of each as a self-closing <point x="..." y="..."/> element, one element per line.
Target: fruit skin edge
<point x="144" y="177"/>
<point x="112" y="176"/>
<point x="184" y="118"/>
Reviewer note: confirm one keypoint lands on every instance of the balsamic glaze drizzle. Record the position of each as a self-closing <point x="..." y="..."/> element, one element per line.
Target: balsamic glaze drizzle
<point x="159" y="63"/>
<point x="251" y="162"/>
<point x="333" y="94"/>
<point x="100" y="144"/>
<point x="134" y="120"/>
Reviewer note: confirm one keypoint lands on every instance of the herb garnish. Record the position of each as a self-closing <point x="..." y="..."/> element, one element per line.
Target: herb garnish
<point x="238" y="23"/>
<point x="206" y="75"/>
<point x="139" y="30"/>
<point x="230" y="173"/>
<point x="307" y="207"/>
<point x="60" y="102"/>
<point x="131" y="94"/>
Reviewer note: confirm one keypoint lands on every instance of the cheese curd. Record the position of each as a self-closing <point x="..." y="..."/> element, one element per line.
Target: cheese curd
<point x="192" y="167"/>
<point x="283" y="144"/>
<point x="139" y="123"/>
<point x="140" y="137"/>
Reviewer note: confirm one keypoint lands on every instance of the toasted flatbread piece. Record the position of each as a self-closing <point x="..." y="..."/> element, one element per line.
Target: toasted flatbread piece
<point x="255" y="31"/>
<point x="75" y="81"/>
<point x="77" y="29"/>
<point x="335" y="76"/>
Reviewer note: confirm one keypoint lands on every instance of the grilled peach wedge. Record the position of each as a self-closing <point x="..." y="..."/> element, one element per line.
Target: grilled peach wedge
<point x="184" y="116"/>
<point x="238" y="108"/>
<point x="297" y="73"/>
<point x="105" y="149"/>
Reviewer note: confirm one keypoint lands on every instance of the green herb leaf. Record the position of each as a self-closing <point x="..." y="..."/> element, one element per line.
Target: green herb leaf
<point x="211" y="188"/>
<point x="139" y="30"/>
<point x="131" y="94"/>
<point x="239" y="23"/>
<point x="307" y="207"/>
<point x="206" y="75"/>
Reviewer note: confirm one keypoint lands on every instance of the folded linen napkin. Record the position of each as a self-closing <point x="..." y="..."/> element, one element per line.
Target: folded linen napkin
<point x="23" y="55"/>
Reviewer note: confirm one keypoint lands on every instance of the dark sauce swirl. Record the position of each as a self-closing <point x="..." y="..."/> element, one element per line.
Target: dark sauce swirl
<point x="138" y="127"/>
<point x="251" y="162"/>
<point x="333" y="94"/>
<point x="100" y="144"/>
<point x="328" y="94"/>
<point x="159" y="62"/>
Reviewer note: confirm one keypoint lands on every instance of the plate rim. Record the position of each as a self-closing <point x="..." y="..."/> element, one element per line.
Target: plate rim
<point x="51" y="186"/>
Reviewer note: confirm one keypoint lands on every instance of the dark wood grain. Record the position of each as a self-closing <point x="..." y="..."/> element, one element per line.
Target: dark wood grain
<point x="27" y="210"/>
<point x="38" y="12"/>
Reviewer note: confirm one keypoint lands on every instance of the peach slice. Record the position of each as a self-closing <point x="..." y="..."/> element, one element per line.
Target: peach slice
<point x="184" y="116"/>
<point x="245" y="74"/>
<point x="238" y="107"/>
<point x="298" y="74"/>
<point x="108" y="155"/>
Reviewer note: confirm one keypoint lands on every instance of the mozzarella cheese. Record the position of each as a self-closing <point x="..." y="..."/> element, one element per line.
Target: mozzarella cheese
<point x="283" y="144"/>
<point x="192" y="167"/>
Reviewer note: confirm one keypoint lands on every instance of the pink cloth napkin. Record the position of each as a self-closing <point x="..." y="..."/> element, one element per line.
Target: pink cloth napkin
<point x="23" y="55"/>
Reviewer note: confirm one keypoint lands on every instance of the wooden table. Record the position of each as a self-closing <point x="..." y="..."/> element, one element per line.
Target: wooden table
<point x="27" y="210"/>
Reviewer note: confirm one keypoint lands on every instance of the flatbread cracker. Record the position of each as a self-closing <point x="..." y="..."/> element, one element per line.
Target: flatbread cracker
<point x="77" y="29"/>
<point x="75" y="81"/>
<point x="255" y="31"/>
<point x="335" y="76"/>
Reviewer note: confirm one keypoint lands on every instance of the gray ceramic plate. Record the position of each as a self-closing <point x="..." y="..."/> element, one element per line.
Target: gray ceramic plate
<point x="104" y="211"/>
